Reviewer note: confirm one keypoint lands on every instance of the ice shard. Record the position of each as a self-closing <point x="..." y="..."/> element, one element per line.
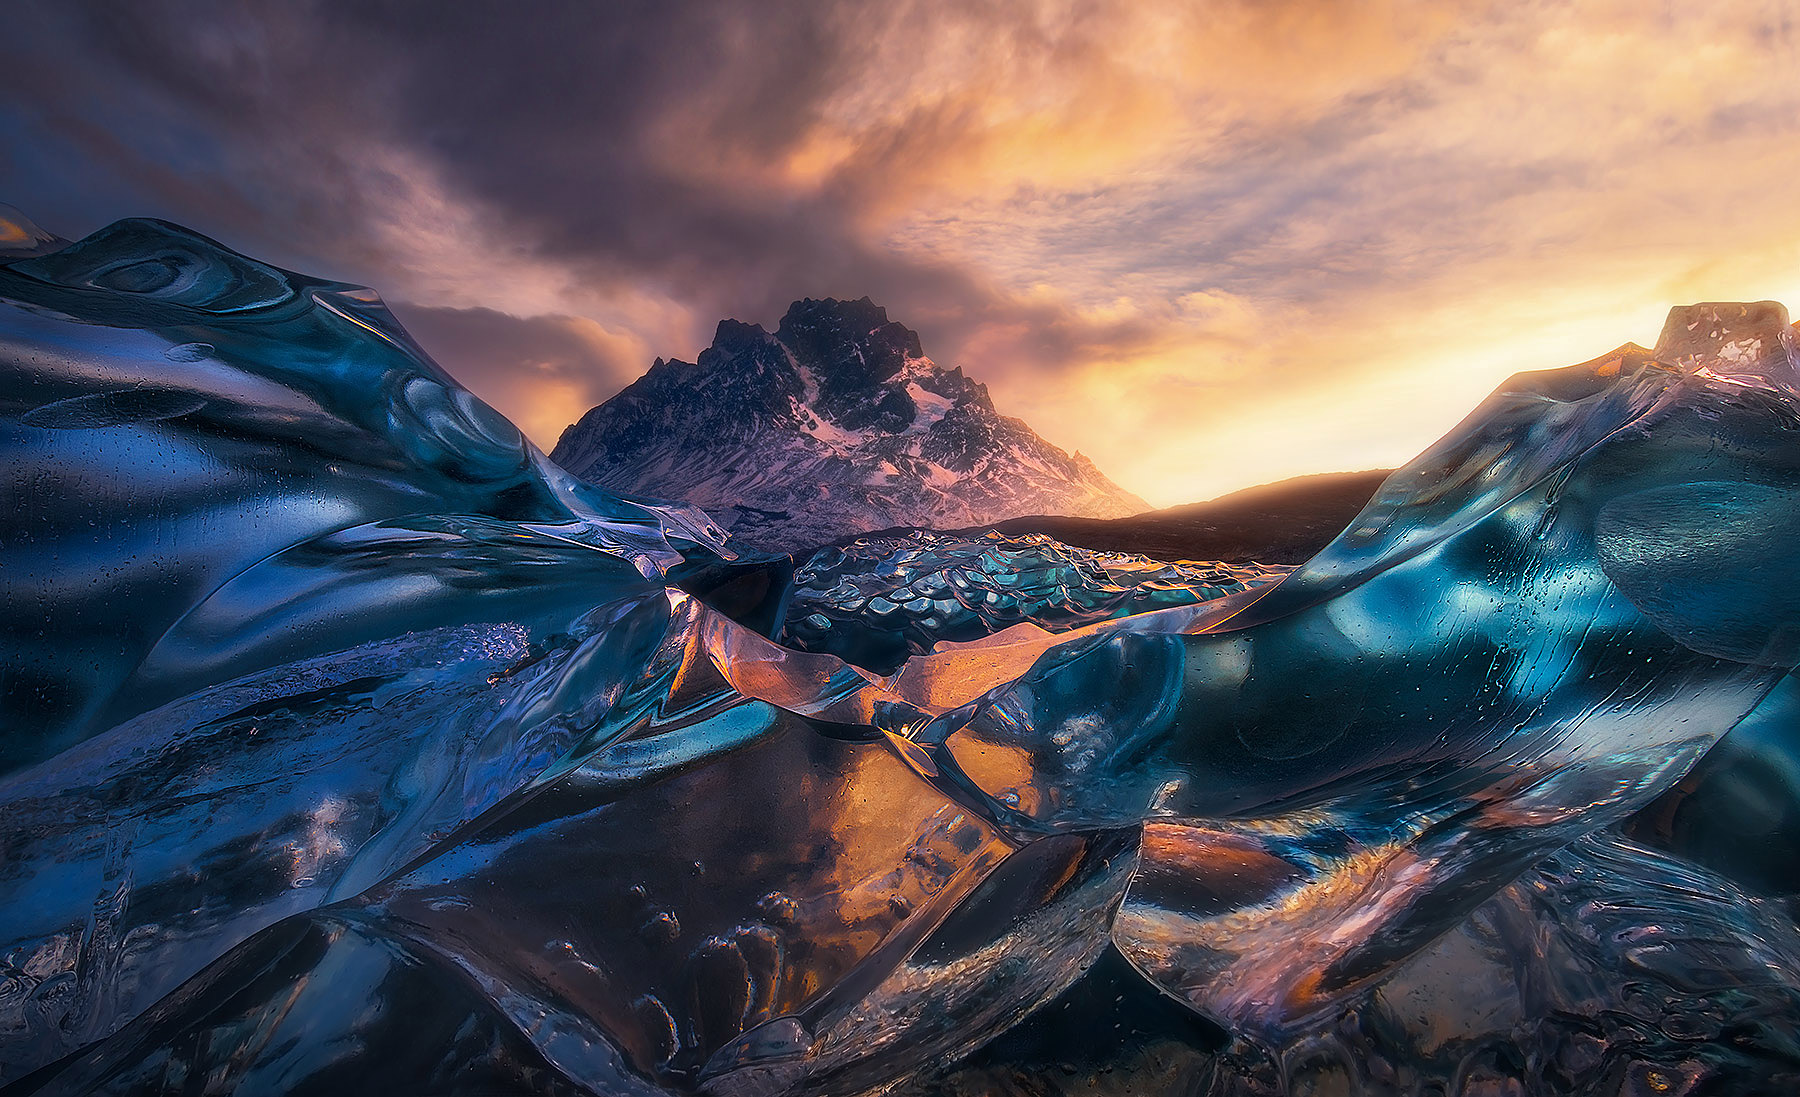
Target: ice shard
<point x="351" y="746"/>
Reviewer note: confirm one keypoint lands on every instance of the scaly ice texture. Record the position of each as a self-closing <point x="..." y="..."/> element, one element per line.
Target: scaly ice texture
<point x="351" y="747"/>
<point x="880" y="599"/>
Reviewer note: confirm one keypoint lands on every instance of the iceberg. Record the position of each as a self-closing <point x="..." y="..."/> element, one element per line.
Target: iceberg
<point x="352" y="746"/>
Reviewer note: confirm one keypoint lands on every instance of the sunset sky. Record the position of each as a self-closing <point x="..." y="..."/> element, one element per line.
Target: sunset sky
<point x="1208" y="244"/>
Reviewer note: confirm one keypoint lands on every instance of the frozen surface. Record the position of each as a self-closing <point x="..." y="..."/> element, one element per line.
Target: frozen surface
<point x="881" y="599"/>
<point x="349" y="746"/>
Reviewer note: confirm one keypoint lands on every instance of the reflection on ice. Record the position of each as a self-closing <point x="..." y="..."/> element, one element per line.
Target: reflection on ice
<point x="350" y="745"/>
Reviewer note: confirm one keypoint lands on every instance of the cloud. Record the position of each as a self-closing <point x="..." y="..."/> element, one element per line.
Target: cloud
<point x="1204" y="243"/>
<point x="533" y="369"/>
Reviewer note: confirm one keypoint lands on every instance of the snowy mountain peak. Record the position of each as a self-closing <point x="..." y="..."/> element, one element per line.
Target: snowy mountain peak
<point x="835" y="424"/>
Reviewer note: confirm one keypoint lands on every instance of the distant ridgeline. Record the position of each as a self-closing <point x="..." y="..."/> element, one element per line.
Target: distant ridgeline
<point x="833" y="425"/>
<point x="1281" y="523"/>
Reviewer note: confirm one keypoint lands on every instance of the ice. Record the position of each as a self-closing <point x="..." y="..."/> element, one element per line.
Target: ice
<point x="880" y="600"/>
<point x="352" y="747"/>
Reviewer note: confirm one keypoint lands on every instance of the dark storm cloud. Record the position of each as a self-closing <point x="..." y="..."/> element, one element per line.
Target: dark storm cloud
<point x="570" y="126"/>
<point x="631" y="140"/>
<point x="633" y="144"/>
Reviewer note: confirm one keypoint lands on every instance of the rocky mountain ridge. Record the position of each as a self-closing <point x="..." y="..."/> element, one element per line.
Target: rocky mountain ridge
<point x="833" y="424"/>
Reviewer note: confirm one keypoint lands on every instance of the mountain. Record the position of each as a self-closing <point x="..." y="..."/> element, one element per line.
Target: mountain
<point x="834" y="424"/>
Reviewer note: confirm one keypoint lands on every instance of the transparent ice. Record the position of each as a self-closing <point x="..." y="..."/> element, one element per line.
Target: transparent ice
<point x="351" y="746"/>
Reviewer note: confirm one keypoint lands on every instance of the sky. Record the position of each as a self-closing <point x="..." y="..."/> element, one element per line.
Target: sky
<point x="1208" y="244"/>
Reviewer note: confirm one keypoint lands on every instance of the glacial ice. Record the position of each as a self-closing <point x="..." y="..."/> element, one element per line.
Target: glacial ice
<point x="882" y="599"/>
<point x="351" y="746"/>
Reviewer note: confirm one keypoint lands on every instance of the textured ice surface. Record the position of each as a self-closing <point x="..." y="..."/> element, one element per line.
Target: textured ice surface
<point x="350" y="747"/>
<point x="881" y="599"/>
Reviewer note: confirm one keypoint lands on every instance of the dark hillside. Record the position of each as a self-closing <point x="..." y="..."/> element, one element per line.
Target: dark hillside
<point x="1281" y="523"/>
